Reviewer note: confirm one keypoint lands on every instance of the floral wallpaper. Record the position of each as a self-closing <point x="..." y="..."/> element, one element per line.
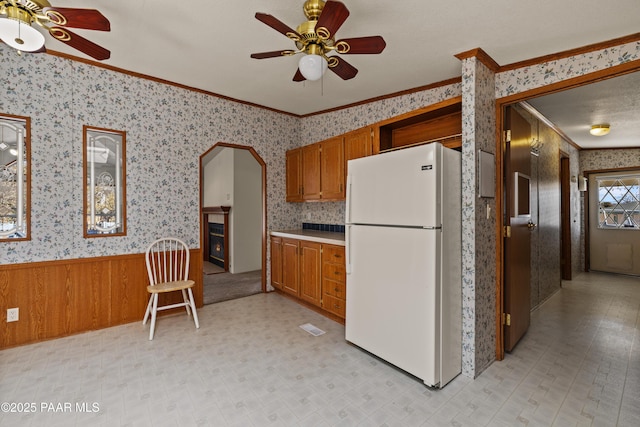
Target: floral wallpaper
<point x="540" y="75"/>
<point x="591" y="160"/>
<point x="478" y="231"/>
<point x="169" y="128"/>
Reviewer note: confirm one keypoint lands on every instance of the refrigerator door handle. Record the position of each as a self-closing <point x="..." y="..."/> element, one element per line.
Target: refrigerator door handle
<point x="348" y="251"/>
<point x="348" y="207"/>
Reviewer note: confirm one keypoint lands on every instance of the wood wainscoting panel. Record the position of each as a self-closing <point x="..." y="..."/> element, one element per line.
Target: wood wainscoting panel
<point x="60" y="298"/>
<point x="128" y="298"/>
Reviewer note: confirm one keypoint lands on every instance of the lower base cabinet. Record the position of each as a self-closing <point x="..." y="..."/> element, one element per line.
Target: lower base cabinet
<point x="310" y="271"/>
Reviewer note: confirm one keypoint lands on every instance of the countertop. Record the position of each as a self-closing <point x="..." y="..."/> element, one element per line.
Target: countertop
<point x="328" y="237"/>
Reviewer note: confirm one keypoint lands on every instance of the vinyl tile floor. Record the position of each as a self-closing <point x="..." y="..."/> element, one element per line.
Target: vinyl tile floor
<point x="250" y="364"/>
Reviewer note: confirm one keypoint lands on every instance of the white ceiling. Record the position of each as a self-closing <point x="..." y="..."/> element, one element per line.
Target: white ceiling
<point x="206" y="44"/>
<point x="615" y="102"/>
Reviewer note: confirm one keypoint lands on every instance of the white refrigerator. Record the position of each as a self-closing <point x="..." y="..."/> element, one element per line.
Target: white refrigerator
<point x="403" y="250"/>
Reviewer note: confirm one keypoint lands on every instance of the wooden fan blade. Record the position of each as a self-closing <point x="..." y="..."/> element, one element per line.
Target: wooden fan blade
<point x="343" y="69"/>
<point x="80" y="43"/>
<point x="333" y="15"/>
<point x="361" y="45"/>
<point x="298" y="77"/>
<point x="273" y="54"/>
<point x="276" y="24"/>
<point x="89" y="19"/>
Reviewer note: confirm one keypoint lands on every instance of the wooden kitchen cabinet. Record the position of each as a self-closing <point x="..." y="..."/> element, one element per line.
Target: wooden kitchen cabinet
<point x="276" y="262"/>
<point x="312" y="272"/>
<point x="316" y="172"/>
<point x="332" y="177"/>
<point x="310" y="290"/>
<point x="357" y="144"/>
<point x="294" y="175"/>
<point x="311" y="179"/>
<point x="290" y="266"/>
<point x="334" y="280"/>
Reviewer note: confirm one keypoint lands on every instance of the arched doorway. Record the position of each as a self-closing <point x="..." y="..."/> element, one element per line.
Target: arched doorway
<point x="233" y="178"/>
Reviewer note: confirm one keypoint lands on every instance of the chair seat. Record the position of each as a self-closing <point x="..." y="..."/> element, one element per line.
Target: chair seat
<point x="170" y="286"/>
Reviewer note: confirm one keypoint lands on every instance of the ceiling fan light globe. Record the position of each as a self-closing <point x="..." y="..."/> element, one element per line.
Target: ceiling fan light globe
<point x="20" y="36"/>
<point x="312" y="67"/>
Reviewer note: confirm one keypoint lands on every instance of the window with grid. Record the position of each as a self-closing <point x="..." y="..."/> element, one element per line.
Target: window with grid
<point x="619" y="202"/>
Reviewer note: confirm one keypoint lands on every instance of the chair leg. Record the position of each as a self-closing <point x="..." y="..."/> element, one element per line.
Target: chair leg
<point x="193" y="309"/>
<point x="146" y="314"/>
<point x="153" y="316"/>
<point x="186" y="301"/>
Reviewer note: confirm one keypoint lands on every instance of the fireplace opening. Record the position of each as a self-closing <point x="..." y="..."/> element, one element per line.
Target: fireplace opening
<point x="216" y="244"/>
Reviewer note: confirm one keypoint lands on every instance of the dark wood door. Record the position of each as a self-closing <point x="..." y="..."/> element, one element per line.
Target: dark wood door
<point x="565" y="217"/>
<point x="517" y="245"/>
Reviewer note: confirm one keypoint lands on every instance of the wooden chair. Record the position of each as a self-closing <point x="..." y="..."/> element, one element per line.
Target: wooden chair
<point x="168" y="268"/>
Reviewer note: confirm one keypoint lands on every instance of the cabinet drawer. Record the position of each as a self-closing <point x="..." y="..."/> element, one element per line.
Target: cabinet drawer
<point x="334" y="289"/>
<point x="334" y="254"/>
<point x="334" y="272"/>
<point x="336" y="306"/>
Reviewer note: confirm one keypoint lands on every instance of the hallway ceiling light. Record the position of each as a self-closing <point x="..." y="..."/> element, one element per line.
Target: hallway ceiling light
<point x="599" y="130"/>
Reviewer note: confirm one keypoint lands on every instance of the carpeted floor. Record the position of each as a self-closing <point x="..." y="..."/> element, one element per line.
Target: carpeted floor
<point x="226" y="286"/>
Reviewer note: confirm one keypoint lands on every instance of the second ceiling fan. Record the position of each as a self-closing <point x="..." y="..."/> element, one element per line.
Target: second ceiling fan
<point x="315" y="38"/>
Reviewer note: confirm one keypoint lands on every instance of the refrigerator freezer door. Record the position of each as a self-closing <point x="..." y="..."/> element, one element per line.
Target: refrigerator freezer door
<point x="398" y="188"/>
<point x="392" y="296"/>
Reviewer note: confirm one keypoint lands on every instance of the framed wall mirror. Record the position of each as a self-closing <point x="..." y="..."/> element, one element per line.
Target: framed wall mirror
<point x="15" y="178"/>
<point x="104" y="182"/>
<point x="522" y="196"/>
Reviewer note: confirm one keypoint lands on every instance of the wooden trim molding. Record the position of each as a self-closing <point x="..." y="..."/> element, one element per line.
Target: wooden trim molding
<point x="482" y="56"/>
<point x="263" y="165"/>
<point x="60" y="298"/>
<point x="388" y="96"/>
<point x="572" y="52"/>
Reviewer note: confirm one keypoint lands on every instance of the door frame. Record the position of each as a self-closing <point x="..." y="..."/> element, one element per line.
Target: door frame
<point x="565" y="216"/>
<point x="501" y="103"/>
<point x="263" y="166"/>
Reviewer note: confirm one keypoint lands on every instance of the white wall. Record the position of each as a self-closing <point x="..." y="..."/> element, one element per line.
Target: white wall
<point x="218" y="178"/>
<point x="233" y="177"/>
<point x="246" y="234"/>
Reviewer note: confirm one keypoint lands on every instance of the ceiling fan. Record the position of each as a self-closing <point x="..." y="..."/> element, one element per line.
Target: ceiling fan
<point x="316" y="37"/>
<point x="16" y="17"/>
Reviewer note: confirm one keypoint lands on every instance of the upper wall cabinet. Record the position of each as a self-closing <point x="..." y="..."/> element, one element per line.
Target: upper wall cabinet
<point x="440" y="122"/>
<point x="332" y="177"/>
<point x="294" y="175"/>
<point x="358" y="143"/>
<point x="104" y="182"/>
<point x="315" y="172"/>
<point x="15" y="178"/>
